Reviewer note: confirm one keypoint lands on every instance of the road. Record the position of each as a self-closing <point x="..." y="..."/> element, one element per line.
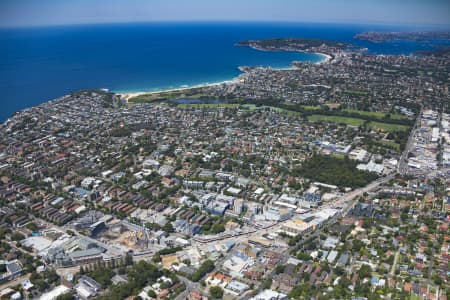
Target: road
<point x="347" y="201"/>
<point x="344" y="202"/>
<point x="190" y="287"/>
<point x="444" y="171"/>
<point x="430" y="266"/>
<point x="12" y="245"/>
<point x="403" y="161"/>
<point x="394" y="265"/>
<point x="15" y="281"/>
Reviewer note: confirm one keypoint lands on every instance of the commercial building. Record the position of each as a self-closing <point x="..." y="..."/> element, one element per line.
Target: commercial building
<point x="295" y="227"/>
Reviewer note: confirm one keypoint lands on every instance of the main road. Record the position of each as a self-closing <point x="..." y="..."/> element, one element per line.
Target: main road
<point x="346" y="202"/>
<point x="403" y="161"/>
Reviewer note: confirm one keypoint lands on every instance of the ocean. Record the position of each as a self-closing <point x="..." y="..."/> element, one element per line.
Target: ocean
<point x="41" y="63"/>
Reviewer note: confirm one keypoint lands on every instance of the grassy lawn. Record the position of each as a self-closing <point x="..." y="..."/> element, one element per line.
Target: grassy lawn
<point x="167" y="95"/>
<point x="356" y="92"/>
<point x="305" y="107"/>
<point x="142" y="98"/>
<point x="398" y="117"/>
<point x="310" y="107"/>
<point x="375" y="114"/>
<point x="388" y="144"/>
<point x="289" y="103"/>
<point x="336" y="119"/>
<point x="282" y="110"/>
<point x="339" y="156"/>
<point x="250" y="107"/>
<point x="277" y="109"/>
<point x="388" y="127"/>
<point x="356" y="122"/>
<point x="209" y="105"/>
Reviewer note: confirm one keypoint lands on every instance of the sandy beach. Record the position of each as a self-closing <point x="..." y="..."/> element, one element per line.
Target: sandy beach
<point x="128" y="95"/>
<point x="326" y="58"/>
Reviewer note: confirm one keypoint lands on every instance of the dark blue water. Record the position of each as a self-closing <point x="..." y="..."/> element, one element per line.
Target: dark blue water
<point x="39" y="64"/>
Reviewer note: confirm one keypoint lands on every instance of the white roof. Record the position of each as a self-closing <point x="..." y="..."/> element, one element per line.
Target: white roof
<point x="26" y="284"/>
<point x="332" y="256"/>
<point x="269" y="295"/>
<point x="259" y="191"/>
<point x="371" y="167"/>
<point x="80" y="209"/>
<point x="84" y="291"/>
<point x="53" y="294"/>
<point x="37" y="242"/>
<point x="236" y="285"/>
<point x="234" y="190"/>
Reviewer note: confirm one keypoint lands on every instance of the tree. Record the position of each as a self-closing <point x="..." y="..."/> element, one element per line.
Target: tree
<point x="437" y="280"/>
<point x="207" y="266"/>
<point x="156" y="258"/>
<point x="216" y="292"/>
<point x="217" y="228"/>
<point x="340" y="172"/>
<point x="102" y="276"/>
<point x="168" y="228"/>
<point x="128" y="259"/>
<point x="357" y="245"/>
<point x="32" y="226"/>
<point x="67" y="296"/>
<point x="365" y="271"/>
<point x="17" y="236"/>
<point x="280" y="269"/>
<point x="304" y="256"/>
<point x="267" y="284"/>
<point x="152" y="294"/>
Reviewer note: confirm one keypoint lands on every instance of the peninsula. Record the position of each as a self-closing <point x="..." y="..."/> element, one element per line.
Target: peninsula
<point x="293" y="44"/>
<point x="320" y="46"/>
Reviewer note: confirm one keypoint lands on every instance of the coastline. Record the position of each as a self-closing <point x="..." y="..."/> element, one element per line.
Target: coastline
<point x="326" y="58"/>
<point x="128" y="95"/>
<point x="135" y="71"/>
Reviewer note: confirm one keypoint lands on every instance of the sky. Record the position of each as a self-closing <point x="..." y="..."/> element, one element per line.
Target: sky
<point x="19" y="13"/>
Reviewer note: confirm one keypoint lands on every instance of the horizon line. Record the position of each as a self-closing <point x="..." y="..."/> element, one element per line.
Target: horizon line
<point x="370" y="23"/>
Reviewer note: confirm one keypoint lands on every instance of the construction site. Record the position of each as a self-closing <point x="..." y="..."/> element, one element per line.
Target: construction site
<point x="132" y="237"/>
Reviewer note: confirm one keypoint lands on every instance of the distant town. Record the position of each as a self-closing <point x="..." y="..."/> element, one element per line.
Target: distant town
<point x="403" y="36"/>
<point x="322" y="181"/>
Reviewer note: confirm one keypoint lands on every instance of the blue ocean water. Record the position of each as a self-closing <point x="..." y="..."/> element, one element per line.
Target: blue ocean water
<point x="41" y="63"/>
